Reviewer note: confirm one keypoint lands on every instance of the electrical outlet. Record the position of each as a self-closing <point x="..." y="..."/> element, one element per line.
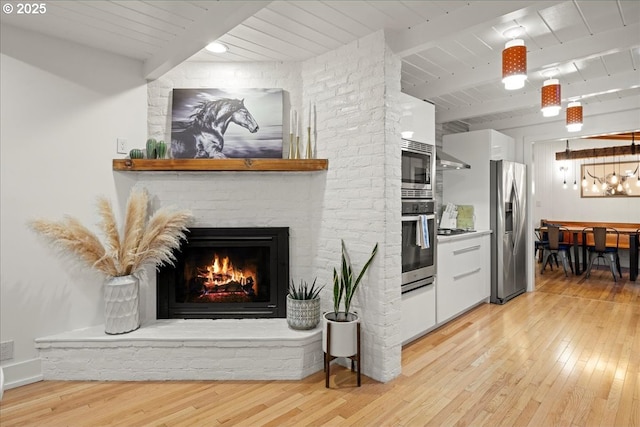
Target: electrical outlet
<point x="122" y="146"/>
<point x="6" y="350"/>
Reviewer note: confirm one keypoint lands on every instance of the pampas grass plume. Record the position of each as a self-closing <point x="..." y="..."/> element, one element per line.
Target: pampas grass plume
<point x="144" y="240"/>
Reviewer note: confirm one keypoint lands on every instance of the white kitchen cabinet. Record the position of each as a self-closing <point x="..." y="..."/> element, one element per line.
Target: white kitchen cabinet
<point x="418" y="117"/>
<point x="418" y="312"/>
<point x="463" y="273"/>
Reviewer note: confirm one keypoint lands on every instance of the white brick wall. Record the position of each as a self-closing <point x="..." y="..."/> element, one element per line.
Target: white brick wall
<point x="390" y="334"/>
<point x="353" y="88"/>
<point x="185" y="350"/>
<point x="285" y="75"/>
<point x="357" y="199"/>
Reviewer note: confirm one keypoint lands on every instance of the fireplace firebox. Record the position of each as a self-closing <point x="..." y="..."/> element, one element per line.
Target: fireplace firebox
<point x="226" y="273"/>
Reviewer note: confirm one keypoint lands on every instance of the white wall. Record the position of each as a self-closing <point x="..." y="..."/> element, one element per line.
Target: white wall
<point x="355" y="89"/>
<point x="62" y="108"/>
<point x="551" y="201"/>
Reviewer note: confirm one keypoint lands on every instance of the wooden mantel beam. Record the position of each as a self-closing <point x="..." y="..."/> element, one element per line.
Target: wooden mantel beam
<point x="621" y="150"/>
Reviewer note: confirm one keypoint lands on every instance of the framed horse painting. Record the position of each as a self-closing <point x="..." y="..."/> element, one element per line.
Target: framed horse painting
<point x="226" y="123"/>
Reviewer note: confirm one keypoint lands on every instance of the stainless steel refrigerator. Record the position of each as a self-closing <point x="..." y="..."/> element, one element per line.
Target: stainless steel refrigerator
<point x="508" y="217"/>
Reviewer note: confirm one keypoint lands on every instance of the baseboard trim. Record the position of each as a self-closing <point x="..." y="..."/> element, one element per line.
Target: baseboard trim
<point x="22" y="373"/>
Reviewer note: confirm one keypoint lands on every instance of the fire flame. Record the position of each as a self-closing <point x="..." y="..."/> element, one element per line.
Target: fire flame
<point x="222" y="271"/>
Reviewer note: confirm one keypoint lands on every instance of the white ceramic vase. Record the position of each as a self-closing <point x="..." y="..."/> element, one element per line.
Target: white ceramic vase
<point x="121" y="305"/>
<point x="303" y="314"/>
<point x="344" y="337"/>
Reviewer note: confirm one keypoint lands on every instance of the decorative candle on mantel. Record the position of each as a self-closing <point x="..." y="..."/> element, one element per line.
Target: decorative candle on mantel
<point x="298" y="132"/>
<point x="300" y="126"/>
<point x="291" y="124"/>
<point x="315" y="131"/>
<point x="291" y="121"/>
<point x="309" y="154"/>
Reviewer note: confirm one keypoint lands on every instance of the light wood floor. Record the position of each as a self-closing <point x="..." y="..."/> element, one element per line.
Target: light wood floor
<point x="566" y="355"/>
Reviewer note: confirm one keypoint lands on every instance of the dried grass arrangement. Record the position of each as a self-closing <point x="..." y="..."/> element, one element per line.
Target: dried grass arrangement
<point x="143" y="241"/>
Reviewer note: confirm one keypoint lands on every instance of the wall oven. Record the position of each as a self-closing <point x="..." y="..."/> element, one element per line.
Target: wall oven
<point x="418" y="254"/>
<point x="418" y="169"/>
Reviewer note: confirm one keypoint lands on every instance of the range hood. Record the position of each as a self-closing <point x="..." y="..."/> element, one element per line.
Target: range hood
<point x="446" y="161"/>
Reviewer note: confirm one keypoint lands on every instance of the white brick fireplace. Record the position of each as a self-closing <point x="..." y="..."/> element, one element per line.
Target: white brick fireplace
<point x="355" y="89"/>
<point x="180" y="349"/>
<point x="195" y="349"/>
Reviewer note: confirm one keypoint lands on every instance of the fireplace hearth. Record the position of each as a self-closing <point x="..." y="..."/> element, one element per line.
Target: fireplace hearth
<point x="226" y="273"/>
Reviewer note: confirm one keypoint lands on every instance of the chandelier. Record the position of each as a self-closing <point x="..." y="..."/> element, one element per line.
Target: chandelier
<point x="609" y="179"/>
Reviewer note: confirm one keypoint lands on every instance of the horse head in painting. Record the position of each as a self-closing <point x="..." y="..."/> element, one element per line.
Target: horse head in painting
<point x="204" y="135"/>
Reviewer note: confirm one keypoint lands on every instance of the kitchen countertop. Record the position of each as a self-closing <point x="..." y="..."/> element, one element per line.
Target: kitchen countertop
<point x="446" y="238"/>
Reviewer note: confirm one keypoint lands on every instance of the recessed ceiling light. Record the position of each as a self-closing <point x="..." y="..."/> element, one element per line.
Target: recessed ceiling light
<point x="216" y="47"/>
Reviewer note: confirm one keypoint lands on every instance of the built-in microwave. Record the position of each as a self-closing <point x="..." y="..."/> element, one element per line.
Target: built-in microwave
<point x="418" y="169"/>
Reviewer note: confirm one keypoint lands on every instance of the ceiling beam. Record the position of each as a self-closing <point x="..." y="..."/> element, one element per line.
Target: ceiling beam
<point x="630" y="103"/>
<point x="581" y="90"/>
<point x="620" y="150"/>
<point x="220" y="18"/>
<point x="609" y="42"/>
<point x="474" y="16"/>
<point x="629" y="136"/>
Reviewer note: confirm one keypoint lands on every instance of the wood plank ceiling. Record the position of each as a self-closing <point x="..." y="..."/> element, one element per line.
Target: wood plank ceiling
<point x="450" y="50"/>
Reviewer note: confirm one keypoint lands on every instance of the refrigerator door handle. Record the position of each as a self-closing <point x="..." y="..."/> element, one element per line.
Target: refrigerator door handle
<point x="510" y="234"/>
<point x="516" y="213"/>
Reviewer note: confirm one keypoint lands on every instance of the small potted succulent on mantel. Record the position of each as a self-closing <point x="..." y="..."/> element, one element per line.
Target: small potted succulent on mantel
<point x="143" y="241"/>
<point x="303" y="305"/>
<point x="343" y="323"/>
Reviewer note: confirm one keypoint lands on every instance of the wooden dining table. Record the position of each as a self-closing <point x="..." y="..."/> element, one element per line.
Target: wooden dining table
<point x="579" y="239"/>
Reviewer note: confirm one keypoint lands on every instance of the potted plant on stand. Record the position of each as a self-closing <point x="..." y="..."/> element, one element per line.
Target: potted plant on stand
<point x="340" y="331"/>
<point x="303" y="305"/>
<point x="144" y="241"/>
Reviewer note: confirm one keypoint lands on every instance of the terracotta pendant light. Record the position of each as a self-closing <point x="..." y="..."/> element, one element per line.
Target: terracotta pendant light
<point x="514" y="60"/>
<point x="551" y="100"/>
<point x="574" y="116"/>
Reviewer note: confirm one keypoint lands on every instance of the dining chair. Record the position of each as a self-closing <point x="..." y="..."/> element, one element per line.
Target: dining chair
<point x="557" y="247"/>
<point x="541" y="242"/>
<point x="599" y="249"/>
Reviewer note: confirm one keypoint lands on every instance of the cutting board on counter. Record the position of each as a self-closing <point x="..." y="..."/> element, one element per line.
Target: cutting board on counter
<point x="466" y="218"/>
